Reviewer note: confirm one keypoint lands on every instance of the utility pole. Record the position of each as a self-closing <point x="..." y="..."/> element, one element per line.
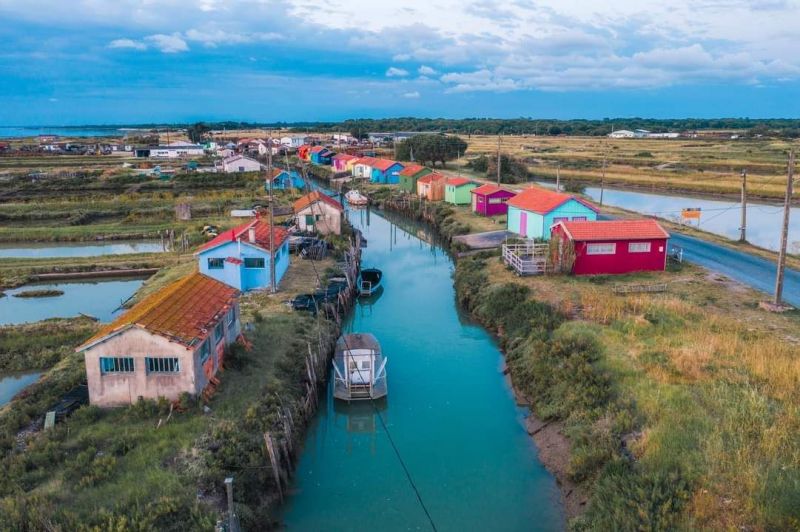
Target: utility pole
<point x="272" y="286"/>
<point x="603" y="175"/>
<point x="743" y="228"/>
<point x="498" y="160"/>
<point x="558" y="176"/>
<point x="229" y="489"/>
<point x="785" y="231"/>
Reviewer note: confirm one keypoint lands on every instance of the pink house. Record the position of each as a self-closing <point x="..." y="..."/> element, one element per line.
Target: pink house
<point x="339" y="161"/>
<point x="171" y="342"/>
<point x="490" y="200"/>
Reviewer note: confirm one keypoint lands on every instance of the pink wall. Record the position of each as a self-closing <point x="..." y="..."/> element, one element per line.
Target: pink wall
<point x="482" y="205"/>
<point x="622" y="261"/>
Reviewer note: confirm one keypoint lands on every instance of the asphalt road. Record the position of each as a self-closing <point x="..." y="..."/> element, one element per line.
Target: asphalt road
<point x="748" y="269"/>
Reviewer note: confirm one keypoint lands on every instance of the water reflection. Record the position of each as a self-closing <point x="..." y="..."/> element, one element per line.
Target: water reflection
<point x="13" y="383"/>
<point x="94" y="249"/>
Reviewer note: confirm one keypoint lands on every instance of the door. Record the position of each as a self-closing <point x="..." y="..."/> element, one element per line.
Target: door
<point x="523" y="223"/>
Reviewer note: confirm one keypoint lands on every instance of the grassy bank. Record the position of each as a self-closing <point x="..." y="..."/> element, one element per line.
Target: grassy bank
<point x="146" y="467"/>
<point x="43" y="344"/>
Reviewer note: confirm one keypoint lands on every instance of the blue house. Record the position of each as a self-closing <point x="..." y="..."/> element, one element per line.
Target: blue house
<point x="285" y="180"/>
<point x="532" y="212"/>
<point x="240" y="257"/>
<point x="321" y="155"/>
<point x="386" y="172"/>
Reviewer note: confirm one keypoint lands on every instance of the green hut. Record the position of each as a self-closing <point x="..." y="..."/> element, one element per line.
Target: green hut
<point x="409" y="176"/>
<point x="458" y="190"/>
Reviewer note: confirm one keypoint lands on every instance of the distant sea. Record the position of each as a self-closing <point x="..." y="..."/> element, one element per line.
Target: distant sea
<point x="32" y="131"/>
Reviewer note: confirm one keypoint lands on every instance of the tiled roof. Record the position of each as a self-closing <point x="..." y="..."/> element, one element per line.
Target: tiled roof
<point x="276" y="172"/>
<point x="488" y="189"/>
<point x="344" y="157"/>
<point x="542" y="201"/>
<point x="184" y="311"/>
<point x="458" y="181"/>
<point x="317" y="149"/>
<point x="584" y="231"/>
<point x="383" y="164"/>
<point x="430" y="178"/>
<point x="242" y="232"/>
<point x="315" y="196"/>
<point x="369" y="161"/>
<point x="411" y="170"/>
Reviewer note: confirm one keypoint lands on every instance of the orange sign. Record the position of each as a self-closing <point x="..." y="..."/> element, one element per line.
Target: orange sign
<point x="691" y="213"/>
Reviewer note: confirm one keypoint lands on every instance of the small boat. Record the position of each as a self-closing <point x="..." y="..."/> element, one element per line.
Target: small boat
<point x="359" y="368"/>
<point x="370" y="281"/>
<point x="356" y="198"/>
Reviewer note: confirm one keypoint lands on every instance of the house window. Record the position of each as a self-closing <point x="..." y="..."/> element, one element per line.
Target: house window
<point x="162" y="364"/>
<point x="601" y="249"/>
<point x="309" y="219"/>
<point x="241" y="168"/>
<point x="218" y="332"/>
<point x="496" y="201"/>
<point x="560" y="219"/>
<point x="116" y="365"/>
<point x="216" y="264"/>
<point x="639" y="247"/>
<point x="204" y="352"/>
<point x="254" y="263"/>
<point x="579" y="218"/>
<point x="365" y="364"/>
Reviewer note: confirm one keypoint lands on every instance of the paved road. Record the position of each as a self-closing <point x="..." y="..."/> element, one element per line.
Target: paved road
<point x="748" y="269"/>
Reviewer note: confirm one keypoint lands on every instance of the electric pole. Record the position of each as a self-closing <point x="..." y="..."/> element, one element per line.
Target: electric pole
<point x="743" y="228"/>
<point x="785" y="231"/>
<point x="498" y="160"/>
<point x="603" y="175"/>
<point x="272" y="286"/>
<point x="558" y="176"/>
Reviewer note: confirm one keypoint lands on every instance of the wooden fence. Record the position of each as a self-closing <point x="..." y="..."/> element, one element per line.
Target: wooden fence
<point x="528" y="258"/>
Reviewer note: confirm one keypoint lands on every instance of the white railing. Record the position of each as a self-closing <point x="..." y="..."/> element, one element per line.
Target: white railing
<point x="526" y="259"/>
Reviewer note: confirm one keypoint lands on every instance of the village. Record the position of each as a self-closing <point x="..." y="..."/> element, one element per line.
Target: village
<point x="267" y="265"/>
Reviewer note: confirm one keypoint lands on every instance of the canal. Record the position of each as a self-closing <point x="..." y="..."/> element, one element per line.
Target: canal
<point x="450" y="413"/>
<point x="78" y="249"/>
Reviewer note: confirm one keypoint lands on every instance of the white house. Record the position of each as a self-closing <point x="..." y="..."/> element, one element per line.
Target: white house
<point x="621" y="134"/>
<point x="641" y="133"/>
<point x="177" y="150"/>
<point x="238" y="163"/>
<point x="318" y="212"/>
<point x="293" y="141"/>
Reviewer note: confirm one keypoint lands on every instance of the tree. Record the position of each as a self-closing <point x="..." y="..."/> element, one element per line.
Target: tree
<point x="197" y="131"/>
<point x="431" y="148"/>
<point x="512" y="170"/>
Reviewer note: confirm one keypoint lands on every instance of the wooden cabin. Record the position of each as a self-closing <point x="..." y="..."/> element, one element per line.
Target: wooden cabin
<point x="490" y="200"/>
<point x="409" y="176"/>
<point x="532" y="212"/>
<point x="318" y="212"/>
<point x="431" y="187"/>
<point x="457" y="190"/>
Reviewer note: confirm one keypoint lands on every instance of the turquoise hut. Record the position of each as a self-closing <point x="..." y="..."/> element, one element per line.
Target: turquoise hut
<point x="532" y="212"/>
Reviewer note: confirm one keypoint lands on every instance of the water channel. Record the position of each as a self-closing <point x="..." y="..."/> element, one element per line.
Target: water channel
<point x="450" y="412"/>
<point x="99" y="299"/>
<point x="13" y="383"/>
<point x="78" y="249"/>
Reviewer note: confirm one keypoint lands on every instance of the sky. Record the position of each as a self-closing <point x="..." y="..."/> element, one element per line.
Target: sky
<point x="137" y="61"/>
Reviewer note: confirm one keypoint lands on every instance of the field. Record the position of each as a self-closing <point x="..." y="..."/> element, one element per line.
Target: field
<point x="690" y="165"/>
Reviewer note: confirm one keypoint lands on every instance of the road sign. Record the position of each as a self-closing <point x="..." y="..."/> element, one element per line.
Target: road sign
<point x="691" y="213"/>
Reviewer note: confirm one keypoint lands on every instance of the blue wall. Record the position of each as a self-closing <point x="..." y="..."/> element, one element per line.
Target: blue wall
<point x="538" y="226"/>
<point x="390" y="177"/>
<point x="236" y="275"/>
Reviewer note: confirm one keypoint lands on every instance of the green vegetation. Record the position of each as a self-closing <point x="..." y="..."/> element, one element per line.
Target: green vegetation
<point x="431" y="149"/>
<point x="512" y="170"/>
<point x="39" y="293"/>
<point x="43" y="344"/>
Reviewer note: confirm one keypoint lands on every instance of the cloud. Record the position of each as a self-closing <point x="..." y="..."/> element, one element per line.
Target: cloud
<point x="168" y="44"/>
<point x="411" y="95"/>
<point x="127" y="43"/>
<point x="216" y="37"/>
<point x="425" y="70"/>
<point x="394" y="72"/>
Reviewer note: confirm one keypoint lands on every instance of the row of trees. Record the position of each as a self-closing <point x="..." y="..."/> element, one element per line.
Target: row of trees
<point x="430" y="149"/>
<point x="512" y="170"/>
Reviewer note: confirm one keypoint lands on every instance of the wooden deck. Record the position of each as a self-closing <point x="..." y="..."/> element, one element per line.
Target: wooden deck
<point x="526" y="259"/>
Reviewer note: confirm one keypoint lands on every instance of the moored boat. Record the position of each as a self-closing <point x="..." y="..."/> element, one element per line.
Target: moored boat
<point x="370" y="281"/>
<point x="359" y="368"/>
<point x="356" y="198"/>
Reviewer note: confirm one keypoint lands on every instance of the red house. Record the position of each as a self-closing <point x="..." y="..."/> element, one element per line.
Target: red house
<point x="490" y="200"/>
<point x="613" y="246"/>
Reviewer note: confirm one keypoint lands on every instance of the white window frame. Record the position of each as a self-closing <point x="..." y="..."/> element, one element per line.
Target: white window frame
<point x="639" y="247"/>
<point x="601" y="248"/>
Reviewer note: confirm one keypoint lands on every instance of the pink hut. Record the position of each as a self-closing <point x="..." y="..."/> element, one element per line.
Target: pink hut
<point x="340" y="160"/>
<point x="490" y="200"/>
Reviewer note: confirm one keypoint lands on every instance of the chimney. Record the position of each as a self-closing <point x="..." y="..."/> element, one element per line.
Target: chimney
<point x="251" y="234"/>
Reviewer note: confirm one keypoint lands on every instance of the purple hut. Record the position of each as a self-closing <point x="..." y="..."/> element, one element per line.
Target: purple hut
<point x="490" y="200"/>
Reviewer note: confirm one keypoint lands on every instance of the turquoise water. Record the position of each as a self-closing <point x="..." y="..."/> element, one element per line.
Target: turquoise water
<point x="95" y="298"/>
<point x="450" y="412"/>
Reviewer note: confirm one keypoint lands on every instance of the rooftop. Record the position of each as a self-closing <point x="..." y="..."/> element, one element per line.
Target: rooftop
<point x="458" y="181"/>
<point x="430" y="178"/>
<point x="586" y="231"/>
<point x="313" y="197"/>
<point x="241" y="232"/>
<point x="542" y="201"/>
<point x="412" y="170"/>
<point x="488" y="188"/>
<point x="184" y="311"/>
<point x="383" y="164"/>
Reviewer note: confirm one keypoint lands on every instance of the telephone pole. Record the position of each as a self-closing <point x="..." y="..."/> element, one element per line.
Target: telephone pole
<point x="272" y="286"/>
<point x="498" y="160"/>
<point x="787" y="203"/>
<point x="603" y="175"/>
<point x="558" y="176"/>
<point x="743" y="228"/>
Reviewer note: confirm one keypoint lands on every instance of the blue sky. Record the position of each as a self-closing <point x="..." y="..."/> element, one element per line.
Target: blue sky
<point x="129" y="61"/>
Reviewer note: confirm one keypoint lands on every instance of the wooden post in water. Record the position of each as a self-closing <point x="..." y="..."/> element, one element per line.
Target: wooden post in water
<point x="274" y="461"/>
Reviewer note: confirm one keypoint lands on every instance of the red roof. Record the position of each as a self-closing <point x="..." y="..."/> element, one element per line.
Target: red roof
<point x="184" y="311"/>
<point x="489" y="189"/>
<point x="411" y="170"/>
<point x="458" y="181"/>
<point x="430" y="178"/>
<point x="542" y="201"/>
<point x="344" y="157"/>
<point x="242" y="232"/>
<point x="317" y="149"/>
<point x="369" y="161"/>
<point x="383" y="164"/>
<point x="313" y="197"/>
<point x="586" y="231"/>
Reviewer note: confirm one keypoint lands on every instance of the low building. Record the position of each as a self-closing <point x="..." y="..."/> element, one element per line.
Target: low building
<point x="238" y="163"/>
<point x="431" y="187"/>
<point x="318" y="212"/>
<point x="175" y="151"/>
<point x="285" y="180"/>
<point x="490" y="200"/>
<point x="621" y="134"/>
<point x="385" y="171"/>
<point x="409" y="176"/>
<point x="321" y="155"/>
<point x="611" y="246"/>
<point x="304" y="152"/>
<point x="171" y="342"/>
<point x="340" y="160"/>
<point x="533" y="211"/>
<point x="293" y="141"/>
<point x="240" y="257"/>
<point x="362" y="168"/>
<point x="457" y="190"/>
